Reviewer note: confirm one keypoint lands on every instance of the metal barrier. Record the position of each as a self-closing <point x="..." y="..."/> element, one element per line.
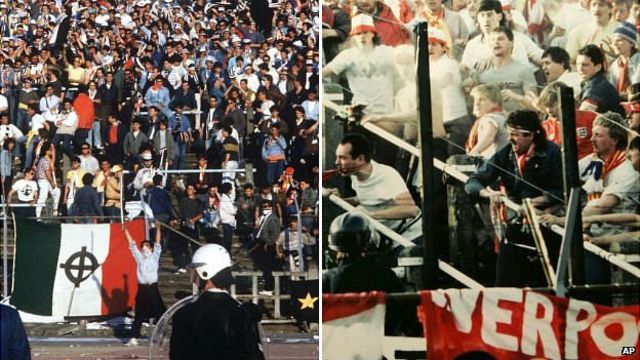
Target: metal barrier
<point x="449" y="170"/>
<point x="277" y="296"/>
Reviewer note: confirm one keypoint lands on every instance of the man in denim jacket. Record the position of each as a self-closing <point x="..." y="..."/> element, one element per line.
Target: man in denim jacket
<point x="529" y="167"/>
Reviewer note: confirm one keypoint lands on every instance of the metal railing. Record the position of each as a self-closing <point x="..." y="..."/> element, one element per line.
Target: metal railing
<point x="278" y="294"/>
<point x="458" y="175"/>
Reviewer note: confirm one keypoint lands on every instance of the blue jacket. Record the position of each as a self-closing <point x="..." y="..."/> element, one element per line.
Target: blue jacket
<point x="159" y="201"/>
<point x="14" y="344"/>
<point x="600" y="90"/>
<point x="543" y="171"/>
<point x="87" y="202"/>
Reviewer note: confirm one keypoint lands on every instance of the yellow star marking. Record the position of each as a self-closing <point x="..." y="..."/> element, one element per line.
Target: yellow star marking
<point x="307" y="302"/>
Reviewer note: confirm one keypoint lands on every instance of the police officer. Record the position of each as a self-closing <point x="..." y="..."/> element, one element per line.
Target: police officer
<point x="215" y="326"/>
<point x="351" y="236"/>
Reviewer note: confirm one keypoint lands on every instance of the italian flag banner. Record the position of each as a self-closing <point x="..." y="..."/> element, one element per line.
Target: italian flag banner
<point x="353" y="325"/>
<point x="74" y="269"/>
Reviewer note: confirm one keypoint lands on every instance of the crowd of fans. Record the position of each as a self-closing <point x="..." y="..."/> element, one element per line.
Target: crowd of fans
<point x="98" y="97"/>
<point x="497" y="71"/>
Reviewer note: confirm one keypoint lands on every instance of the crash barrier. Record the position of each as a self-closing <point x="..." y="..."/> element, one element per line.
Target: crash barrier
<point x="278" y="294"/>
<point x="460" y="176"/>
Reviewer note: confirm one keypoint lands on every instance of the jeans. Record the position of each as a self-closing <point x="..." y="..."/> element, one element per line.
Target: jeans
<point x="67" y="148"/>
<point x="274" y="170"/>
<point x="181" y="149"/>
<point x="227" y="236"/>
<point x="94" y="139"/>
<point x="31" y="145"/>
<point x="22" y="121"/>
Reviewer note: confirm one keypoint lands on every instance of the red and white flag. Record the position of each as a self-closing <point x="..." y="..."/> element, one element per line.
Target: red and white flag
<point x="353" y="325"/>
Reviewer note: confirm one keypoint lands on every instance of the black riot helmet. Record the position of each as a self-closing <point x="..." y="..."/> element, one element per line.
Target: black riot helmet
<point x="352" y="233"/>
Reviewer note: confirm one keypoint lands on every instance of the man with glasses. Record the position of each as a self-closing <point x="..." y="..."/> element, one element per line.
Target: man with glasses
<point x="87" y="161"/>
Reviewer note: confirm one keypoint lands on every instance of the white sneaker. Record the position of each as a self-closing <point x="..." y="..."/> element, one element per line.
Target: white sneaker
<point x="132" y="342"/>
<point x="266" y="292"/>
<point x="180" y="271"/>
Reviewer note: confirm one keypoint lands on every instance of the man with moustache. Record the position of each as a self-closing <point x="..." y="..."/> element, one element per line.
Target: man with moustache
<point x="527" y="168"/>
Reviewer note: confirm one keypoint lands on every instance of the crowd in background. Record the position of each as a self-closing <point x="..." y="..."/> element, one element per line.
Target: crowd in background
<point x="99" y="97"/>
<point x="497" y="71"/>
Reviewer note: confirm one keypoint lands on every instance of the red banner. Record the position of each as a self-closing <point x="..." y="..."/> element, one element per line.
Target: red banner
<point x="519" y="324"/>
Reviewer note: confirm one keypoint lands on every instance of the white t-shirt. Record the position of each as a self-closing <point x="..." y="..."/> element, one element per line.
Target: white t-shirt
<point x="4" y="103"/>
<point x="37" y="123"/>
<point x="89" y="164"/>
<point x="523" y="48"/>
<point x="379" y="191"/>
<point x="9" y="131"/>
<point x="447" y="71"/>
<point x="26" y="190"/>
<point x="371" y="74"/>
<point x="623" y="182"/>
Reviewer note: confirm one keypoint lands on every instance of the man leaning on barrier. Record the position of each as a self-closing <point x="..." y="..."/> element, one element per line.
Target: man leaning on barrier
<point x="528" y="167"/>
<point x="380" y="190"/>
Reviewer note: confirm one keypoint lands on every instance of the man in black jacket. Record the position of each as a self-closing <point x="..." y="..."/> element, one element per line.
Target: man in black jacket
<point x="528" y="167"/>
<point x="215" y="326"/>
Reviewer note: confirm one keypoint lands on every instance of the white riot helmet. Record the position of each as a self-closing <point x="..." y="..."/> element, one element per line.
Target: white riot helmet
<point x="209" y="260"/>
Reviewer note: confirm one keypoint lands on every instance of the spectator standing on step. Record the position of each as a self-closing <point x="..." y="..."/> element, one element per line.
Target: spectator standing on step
<point x="148" y="300"/>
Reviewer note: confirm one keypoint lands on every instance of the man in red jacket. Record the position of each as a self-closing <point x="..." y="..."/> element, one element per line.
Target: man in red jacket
<point x="83" y="106"/>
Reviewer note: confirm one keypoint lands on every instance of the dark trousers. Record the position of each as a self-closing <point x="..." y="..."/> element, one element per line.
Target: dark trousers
<point x="24" y="211"/>
<point x="518" y="266"/>
<point x="66" y="139"/>
<point x="227" y="236"/>
<point x="265" y="260"/>
<point x="180" y="247"/>
<point x="148" y="305"/>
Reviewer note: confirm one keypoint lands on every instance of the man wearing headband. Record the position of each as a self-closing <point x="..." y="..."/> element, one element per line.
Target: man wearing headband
<point x="528" y="167"/>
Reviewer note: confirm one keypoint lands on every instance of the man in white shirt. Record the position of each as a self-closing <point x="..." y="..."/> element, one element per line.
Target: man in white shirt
<point x="611" y="184"/>
<point x="594" y="32"/>
<point x="571" y="15"/>
<point x="27" y="190"/>
<point x="10" y="131"/>
<point x="67" y="122"/>
<point x="49" y="104"/>
<point x="556" y="67"/>
<point x="489" y="17"/>
<point x="87" y="161"/>
<point x="312" y="106"/>
<point x="380" y="190"/>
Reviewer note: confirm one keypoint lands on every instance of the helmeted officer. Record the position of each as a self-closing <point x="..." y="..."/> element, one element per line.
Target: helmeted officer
<point x="352" y="237"/>
<point x="215" y="326"/>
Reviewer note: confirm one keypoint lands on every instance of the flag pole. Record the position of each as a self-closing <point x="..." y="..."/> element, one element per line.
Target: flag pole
<point x="5" y="248"/>
<point x="122" y="200"/>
